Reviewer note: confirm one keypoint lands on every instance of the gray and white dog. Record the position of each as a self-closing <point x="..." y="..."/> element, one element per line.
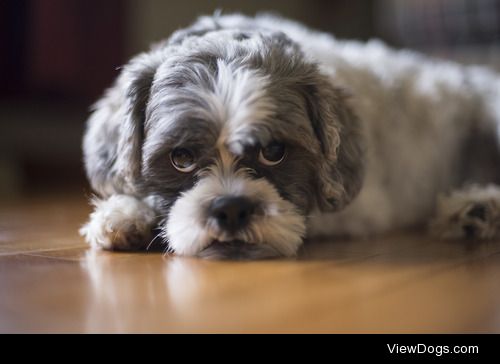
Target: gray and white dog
<point x="241" y="136"/>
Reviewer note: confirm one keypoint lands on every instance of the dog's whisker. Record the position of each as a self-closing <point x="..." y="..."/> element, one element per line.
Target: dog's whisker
<point x="152" y="240"/>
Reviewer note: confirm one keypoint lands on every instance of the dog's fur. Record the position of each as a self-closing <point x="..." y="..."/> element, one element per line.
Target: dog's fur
<point x="372" y="137"/>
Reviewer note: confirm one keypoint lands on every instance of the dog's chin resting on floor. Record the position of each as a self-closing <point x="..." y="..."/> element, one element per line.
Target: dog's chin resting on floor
<point x="239" y="137"/>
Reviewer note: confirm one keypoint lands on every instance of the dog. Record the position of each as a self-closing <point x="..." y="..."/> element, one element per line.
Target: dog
<point x="239" y="137"/>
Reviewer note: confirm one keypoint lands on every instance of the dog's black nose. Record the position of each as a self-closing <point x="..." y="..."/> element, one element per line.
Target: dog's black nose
<point x="232" y="212"/>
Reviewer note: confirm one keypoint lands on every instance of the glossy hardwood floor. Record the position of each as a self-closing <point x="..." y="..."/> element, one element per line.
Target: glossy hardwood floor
<point x="51" y="282"/>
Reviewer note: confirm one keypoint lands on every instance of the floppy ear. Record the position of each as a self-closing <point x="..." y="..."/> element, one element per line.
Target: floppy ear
<point x="140" y="74"/>
<point x="341" y="168"/>
<point x="115" y="130"/>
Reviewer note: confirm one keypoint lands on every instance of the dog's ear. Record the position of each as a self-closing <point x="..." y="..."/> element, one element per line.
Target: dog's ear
<point x="140" y="74"/>
<point x="115" y="130"/>
<point x="341" y="165"/>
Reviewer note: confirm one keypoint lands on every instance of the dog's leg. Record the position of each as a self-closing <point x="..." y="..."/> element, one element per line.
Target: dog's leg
<point x="120" y="222"/>
<point x="470" y="213"/>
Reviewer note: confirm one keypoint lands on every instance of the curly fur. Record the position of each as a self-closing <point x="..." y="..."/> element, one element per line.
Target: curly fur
<point x="374" y="135"/>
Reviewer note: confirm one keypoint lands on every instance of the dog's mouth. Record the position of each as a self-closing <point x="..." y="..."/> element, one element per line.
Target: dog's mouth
<point x="237" y="250"/>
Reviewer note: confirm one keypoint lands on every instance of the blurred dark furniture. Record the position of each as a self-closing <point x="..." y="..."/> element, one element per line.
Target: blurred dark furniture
<point x="57" y="57"/>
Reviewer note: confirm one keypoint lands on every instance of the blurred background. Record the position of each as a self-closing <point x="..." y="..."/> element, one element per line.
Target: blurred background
<point x="57" y="56"/>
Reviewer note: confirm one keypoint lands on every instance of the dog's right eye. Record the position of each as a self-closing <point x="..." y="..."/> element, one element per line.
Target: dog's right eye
<point x="273" y="154"/>
<point x="183" y="160"/>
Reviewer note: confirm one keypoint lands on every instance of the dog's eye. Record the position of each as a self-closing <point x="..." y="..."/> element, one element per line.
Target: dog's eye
<point x="272" y="154"/>
<point x="183" y="160"/>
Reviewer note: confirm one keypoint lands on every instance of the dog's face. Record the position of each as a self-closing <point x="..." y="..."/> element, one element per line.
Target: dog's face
<point x="239" y="138"/>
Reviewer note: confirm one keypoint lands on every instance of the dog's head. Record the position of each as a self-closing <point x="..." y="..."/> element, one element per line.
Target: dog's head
<point x="239" y="138"/>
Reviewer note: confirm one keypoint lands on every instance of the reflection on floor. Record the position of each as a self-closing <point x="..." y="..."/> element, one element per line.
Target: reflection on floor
<point x="51" y="282"/>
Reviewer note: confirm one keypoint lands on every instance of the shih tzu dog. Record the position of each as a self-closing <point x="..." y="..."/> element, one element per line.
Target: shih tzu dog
<point x="240" y="137"/>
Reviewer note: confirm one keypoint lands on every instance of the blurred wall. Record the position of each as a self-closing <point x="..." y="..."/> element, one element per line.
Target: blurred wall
<point x="152" y="20"/>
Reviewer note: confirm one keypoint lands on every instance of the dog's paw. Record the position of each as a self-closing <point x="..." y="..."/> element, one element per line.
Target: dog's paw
<point x="119" y="223"/>
<point x="472" y="214"/>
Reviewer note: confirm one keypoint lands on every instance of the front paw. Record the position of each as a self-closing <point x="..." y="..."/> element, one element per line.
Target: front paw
<point x="475" y="220"/>
<point x="466" y="215"/>
<point x="119" y="223"/>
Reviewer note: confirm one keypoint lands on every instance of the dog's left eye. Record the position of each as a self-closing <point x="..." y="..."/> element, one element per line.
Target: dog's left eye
<point x="183" y="160"/>
<point x="272" y="154"/>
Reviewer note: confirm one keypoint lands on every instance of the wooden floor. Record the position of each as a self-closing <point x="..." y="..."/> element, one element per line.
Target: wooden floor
<point x="51" y="282"/>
